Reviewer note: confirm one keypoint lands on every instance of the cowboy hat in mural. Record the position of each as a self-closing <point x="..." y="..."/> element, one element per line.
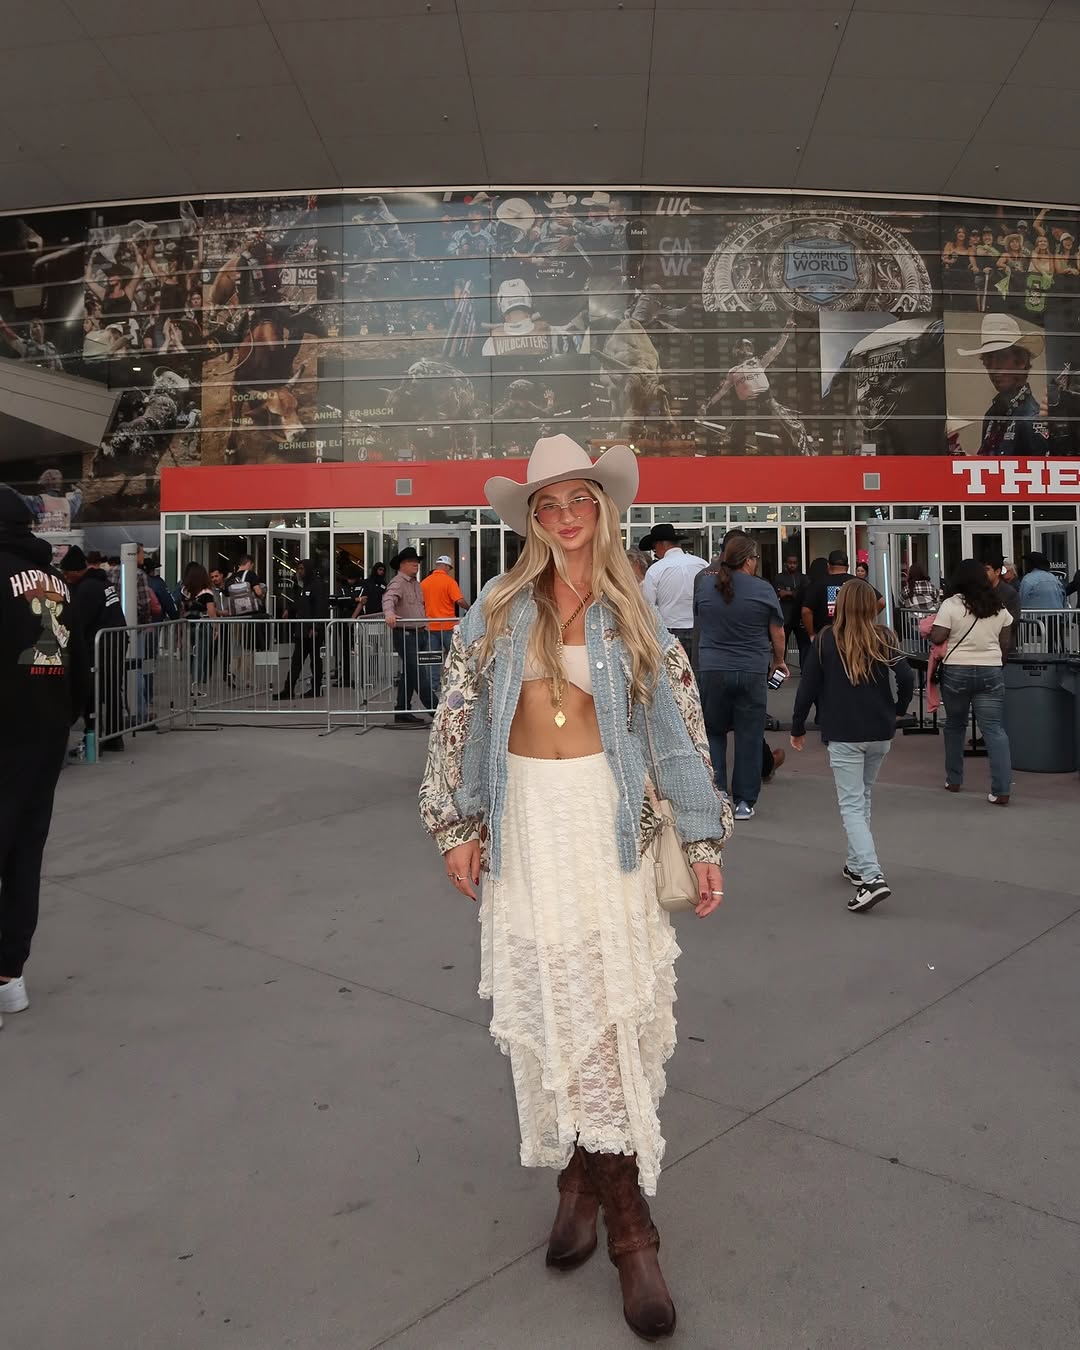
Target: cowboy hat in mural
<point x="517" y="213"/>
<point x="554" y="460"/>
<point x="1000" y="331"/>
<point x="558" y="200"/>
<point x="597" y="198"/>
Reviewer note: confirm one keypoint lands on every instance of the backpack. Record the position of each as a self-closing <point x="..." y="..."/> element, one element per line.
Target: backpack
<point x="241" y="599"/>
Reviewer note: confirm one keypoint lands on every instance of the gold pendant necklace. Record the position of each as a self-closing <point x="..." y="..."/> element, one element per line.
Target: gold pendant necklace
<point x="556" y="683"/>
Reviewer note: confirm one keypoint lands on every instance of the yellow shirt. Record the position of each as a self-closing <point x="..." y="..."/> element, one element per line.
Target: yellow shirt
<point x="441" y="594"/>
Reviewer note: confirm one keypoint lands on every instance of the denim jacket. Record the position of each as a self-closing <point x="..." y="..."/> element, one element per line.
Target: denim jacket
<point x="463" y="793"/>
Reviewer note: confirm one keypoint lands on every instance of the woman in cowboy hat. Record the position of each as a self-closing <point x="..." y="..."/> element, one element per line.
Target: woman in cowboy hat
<point x="556" y="682"/>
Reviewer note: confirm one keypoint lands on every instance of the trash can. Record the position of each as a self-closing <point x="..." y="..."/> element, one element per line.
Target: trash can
<point x="1040" y="714"/>
<point x="1072" y="683"/>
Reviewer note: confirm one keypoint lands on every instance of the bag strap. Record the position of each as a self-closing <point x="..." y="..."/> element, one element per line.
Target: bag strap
<point x="945" y="659"/>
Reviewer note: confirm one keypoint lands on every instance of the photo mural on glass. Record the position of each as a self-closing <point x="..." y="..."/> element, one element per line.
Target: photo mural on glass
<point x="411" y="326"/>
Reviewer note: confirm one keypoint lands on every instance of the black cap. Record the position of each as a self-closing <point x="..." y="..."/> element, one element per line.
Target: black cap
<point x="838" y="558"/>
<point x="662" y="534"/>
<point x="74" y="560"/>
<point x="406" y="555"/>
<point x="14" y="508"/>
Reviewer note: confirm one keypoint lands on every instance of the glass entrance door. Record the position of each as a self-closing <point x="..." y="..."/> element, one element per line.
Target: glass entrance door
<point x="1058" y="543"/>
<point x="435" y="541"/>
<point x="985" y="543"/>
<point x="768" y="550"/>
<point x="285" y="548"/>
<point x="218" y="550"/>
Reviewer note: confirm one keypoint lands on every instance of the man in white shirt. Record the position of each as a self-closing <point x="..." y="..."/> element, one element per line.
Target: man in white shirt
<point x="669" y="582"/>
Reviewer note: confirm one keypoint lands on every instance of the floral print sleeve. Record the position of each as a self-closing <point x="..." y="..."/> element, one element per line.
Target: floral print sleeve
<point x="688" y="702"/>
<point x="443" y="774"/>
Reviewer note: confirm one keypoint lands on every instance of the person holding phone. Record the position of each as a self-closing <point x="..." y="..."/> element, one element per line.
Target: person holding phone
<point x="741" y="643"/>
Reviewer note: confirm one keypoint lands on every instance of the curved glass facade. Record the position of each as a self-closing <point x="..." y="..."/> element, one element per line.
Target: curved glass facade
<point x="420" y="326"/>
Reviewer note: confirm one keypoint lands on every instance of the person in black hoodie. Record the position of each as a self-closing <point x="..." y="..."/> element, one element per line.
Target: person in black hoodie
<point x="311" y="609"/>
<point x="95" y="604"/>
<point x="42" y="674"/>
<point x="848" y="675"/>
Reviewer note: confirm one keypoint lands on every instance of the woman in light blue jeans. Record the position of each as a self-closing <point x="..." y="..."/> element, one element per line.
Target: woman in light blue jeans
<point x="976" y="626"/>
<point x="848" y="672"/>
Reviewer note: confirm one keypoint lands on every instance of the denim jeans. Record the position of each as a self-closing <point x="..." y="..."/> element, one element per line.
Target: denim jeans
<point x="982" y="688"/>
<point x="413" y="677"/>
<point x="735" y="700"/>
<point x="855" y="767"/>
<point x="201" y="650"/>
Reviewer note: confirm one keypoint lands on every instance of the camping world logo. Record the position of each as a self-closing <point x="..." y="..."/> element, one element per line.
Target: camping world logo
<point x="812" y="258"/>
<point x="820" y="268"/>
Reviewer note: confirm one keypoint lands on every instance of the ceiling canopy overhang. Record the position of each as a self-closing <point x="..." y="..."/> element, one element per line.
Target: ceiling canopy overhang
<point x="117" y="99"/>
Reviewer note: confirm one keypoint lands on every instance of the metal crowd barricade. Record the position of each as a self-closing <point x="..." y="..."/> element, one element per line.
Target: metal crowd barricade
<point x="384" y="676"/>
<point x="1055" y="632"/>
<point x="253" y="669"/>
<point x="912" y="643"/>
<point x="1049" y="631"/>
<point x="258" y="668"/>
<point x="137" y="682"/>
<point x="917" y="650"/>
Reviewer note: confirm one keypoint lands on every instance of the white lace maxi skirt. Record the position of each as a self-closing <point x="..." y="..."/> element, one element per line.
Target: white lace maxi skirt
<point x="579" y="962"/>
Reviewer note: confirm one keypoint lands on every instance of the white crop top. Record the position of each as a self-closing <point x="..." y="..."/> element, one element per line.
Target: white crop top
<point x="576" y="661"/>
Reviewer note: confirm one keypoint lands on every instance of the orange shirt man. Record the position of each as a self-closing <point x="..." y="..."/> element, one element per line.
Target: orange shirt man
<point x="443" y="599"/>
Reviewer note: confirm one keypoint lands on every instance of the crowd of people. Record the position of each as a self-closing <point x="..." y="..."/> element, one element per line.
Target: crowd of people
<point x="1010" y="266"/>
<point x="856" y="684"/>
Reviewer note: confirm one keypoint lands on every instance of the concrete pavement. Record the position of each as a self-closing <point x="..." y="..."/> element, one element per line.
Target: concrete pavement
<point x="255" y="1105"/>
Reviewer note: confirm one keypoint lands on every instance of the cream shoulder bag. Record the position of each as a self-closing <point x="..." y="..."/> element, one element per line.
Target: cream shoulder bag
<point x="676" y="883"/>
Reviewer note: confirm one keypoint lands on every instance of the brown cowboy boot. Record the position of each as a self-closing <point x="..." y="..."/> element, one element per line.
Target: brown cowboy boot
<point x="573" y="1234"/>
<point x="633" y="1243"/>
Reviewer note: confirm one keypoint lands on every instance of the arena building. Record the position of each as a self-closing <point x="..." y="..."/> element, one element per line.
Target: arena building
<point x="330" y="371"/>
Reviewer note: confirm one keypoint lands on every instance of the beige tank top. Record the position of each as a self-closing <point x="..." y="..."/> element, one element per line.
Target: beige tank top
<point x="576" y="661"/>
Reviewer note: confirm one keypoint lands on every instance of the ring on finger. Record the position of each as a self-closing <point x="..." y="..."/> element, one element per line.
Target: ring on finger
<point x="716" y="892"/>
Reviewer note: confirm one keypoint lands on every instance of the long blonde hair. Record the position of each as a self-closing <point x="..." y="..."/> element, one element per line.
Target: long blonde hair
<point x="861" y="641"/>
<point x="613" y="581"/>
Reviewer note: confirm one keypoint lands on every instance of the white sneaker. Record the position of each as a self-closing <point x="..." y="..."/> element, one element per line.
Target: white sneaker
<point x="13" y="997"/>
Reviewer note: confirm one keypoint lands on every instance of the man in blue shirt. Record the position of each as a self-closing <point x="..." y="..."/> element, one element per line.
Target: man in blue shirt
<point x="1039" y="588"/>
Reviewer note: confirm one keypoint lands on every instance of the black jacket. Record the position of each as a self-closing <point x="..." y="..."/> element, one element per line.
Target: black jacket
<point x="846" y="711"/>
<point x="313" y="598"/>
<point x="42" y="657"/>
<point x="96" y="605"/>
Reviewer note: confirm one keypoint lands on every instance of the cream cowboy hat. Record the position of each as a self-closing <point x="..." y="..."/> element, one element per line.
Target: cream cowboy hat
<point x="555" y="459"/>
<point x="516" y="212"/>
<point x="1000" y="331"/>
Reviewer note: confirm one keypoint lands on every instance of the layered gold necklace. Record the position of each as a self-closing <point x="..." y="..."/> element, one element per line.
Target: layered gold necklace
<point x="557" y="683"/>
